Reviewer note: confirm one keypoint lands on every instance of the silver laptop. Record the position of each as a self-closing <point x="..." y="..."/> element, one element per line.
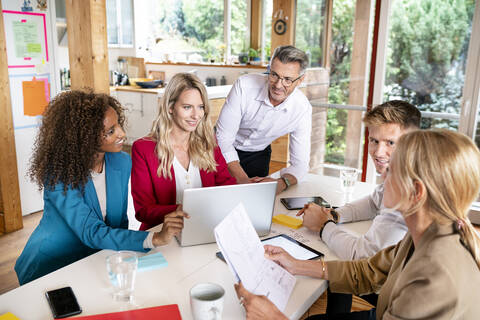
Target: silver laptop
<point x="208" y="206"/>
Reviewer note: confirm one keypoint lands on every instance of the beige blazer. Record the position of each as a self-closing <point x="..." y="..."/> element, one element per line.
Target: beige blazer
<point x="437" y="280"/>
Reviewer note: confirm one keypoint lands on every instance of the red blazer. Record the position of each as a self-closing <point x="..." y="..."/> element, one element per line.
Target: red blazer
<point x="154" y="197"/>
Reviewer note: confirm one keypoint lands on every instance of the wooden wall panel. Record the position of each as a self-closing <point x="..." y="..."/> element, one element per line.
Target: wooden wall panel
<point x="284" y="9"/>
<point x="327" y="34"/>
<point x="280" y="149"/>
<point x="358" y="80"/>
<point x="11" y="212"/>
<point x="256" y="24"/>
<point x="87" y="44"/>
<point x="316" y="89"/>
<point x="216" y="106"/>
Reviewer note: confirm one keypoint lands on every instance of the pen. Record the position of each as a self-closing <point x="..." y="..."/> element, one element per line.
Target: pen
<point x="301" y="211"/>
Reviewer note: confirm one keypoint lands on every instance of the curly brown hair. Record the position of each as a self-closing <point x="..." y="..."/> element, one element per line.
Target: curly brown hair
<point x="69" y="138"/>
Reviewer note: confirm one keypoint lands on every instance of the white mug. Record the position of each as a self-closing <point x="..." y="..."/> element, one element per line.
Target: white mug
<point x="206" y="301"/>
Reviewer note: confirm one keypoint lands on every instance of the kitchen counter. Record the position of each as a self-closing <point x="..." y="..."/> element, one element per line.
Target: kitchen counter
<point x="216" y="92"/>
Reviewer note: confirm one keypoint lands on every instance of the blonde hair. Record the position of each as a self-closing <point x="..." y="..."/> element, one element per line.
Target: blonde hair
<point x="201" y="142"/>
<point x="447" y="163"/>
<point x="406" y="115"/>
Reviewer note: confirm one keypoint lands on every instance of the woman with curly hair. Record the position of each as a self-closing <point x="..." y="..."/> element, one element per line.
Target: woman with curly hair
<point x="78" y="164"/>
<point x="179" y="153"/>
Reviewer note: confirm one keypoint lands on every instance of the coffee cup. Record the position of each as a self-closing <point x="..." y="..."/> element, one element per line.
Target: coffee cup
<point x="206" y="301"/>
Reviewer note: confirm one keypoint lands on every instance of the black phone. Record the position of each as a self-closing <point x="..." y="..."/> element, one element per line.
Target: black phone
<point x="63" y="302"/>
<point x="297" y="203"/>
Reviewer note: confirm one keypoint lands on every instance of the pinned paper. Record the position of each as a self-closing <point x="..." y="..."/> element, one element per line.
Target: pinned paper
<point x="36" y="95"/>
<point x="27" y="42"/>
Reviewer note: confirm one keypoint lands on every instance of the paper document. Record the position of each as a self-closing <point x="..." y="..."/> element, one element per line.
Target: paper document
<point x="244" y="254"/>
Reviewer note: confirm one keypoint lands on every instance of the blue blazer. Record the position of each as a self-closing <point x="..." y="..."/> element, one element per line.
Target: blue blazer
<point x="72" y="226"/>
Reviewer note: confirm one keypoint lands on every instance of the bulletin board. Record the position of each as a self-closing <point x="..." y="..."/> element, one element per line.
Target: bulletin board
<point x="27" y="31"/>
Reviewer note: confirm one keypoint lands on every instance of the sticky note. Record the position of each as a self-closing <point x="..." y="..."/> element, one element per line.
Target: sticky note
<point x="151" y="261"/>
<point x="288" y="221"/>
<point x="8" y="316"/>
<point x="35" y="97"/>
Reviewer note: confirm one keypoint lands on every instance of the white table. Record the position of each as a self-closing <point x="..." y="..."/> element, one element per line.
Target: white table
<point x="186" y="267"/>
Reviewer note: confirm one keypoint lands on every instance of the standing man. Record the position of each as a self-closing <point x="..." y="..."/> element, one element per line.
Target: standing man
<point x="259" y="109"/>
<point x="386" y="123"/>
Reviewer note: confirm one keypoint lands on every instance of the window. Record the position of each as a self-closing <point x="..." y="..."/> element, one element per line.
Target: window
<point x="426" y="58"/>
<point x="309" y="27"/>
<point x="267" y="8"/>
<point x="119" y="23"/>
<point x="339" y="88"/>
<point x="239" y="32"/>
<point x="192" y="30"/>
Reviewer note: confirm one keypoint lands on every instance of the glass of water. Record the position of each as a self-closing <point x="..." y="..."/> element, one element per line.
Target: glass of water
<point x="348" y="179"/>
<point x="122" y="269"/>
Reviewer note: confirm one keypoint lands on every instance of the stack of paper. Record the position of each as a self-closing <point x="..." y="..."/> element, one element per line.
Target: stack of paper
<point x="244" y="254"/>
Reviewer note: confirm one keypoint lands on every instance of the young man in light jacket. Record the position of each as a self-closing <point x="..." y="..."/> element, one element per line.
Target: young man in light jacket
<point x="386" y="123"/>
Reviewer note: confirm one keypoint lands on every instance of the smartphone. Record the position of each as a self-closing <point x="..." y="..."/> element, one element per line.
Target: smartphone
<point x="297" y="203"/>
<point x="63" y="302"/>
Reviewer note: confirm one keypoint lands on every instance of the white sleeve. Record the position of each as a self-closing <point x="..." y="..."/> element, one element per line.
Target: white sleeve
<point x="228" y="123"/>
<point x="362" y="209"/>
<point x="299" y="147"/>
<point x="387" y="229"/>
<point x="148" y="242"/>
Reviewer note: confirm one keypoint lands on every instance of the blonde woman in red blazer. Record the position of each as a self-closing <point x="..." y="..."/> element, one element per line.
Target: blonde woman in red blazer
<point x="182" y="139"/>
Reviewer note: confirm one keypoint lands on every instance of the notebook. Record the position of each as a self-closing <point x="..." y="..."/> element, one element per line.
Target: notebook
<point x="208" y="206"/>
<point x="161" y="312"/>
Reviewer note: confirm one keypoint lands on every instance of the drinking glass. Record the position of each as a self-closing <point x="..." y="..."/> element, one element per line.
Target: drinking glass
<point x="122" y="269"/>
<point x="348" y="178"/>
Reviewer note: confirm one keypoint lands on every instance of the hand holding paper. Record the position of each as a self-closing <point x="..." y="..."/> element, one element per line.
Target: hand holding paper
<point x="244" y="255"/>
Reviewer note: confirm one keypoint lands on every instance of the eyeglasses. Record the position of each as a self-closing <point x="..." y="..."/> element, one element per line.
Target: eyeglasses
<point x="287" y="82"/>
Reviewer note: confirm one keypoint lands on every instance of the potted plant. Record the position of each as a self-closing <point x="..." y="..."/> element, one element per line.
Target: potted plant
<point x="253" y="55"/>
<point x="243" y="55"/>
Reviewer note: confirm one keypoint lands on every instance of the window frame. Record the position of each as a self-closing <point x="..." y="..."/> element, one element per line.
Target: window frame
<point x="119" y="11"/>
<point x="470" y="104"/>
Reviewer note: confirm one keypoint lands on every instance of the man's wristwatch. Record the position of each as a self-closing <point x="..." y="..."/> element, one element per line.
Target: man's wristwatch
<point x="287" y="183"/>
<point x="334" y="215"/>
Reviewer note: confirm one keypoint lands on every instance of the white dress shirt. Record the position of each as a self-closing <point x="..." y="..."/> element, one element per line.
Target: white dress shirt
<point x="249" y="122"/>
<point x="388" y="228"/>
<point x="185" y="179"/>
<point x="98" y="180"/>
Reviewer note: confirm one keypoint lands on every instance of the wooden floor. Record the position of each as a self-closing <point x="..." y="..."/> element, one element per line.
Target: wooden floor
<point x="276" y="166"/>
<point x="11" y="245"/>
